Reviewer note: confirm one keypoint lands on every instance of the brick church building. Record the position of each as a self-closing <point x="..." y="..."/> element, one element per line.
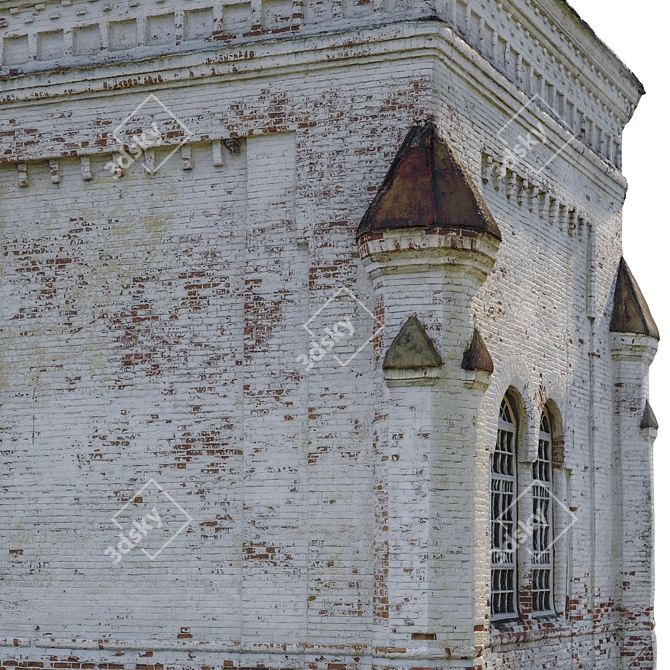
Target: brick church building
<point x="319" y="350"/>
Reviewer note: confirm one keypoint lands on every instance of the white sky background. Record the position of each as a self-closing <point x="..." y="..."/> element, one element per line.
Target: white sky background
<point x="637" y="33"/>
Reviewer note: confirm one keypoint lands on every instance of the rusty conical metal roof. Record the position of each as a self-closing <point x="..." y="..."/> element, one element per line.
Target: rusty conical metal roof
<point x="428" y="187"/>
<point x="631" y="313"/>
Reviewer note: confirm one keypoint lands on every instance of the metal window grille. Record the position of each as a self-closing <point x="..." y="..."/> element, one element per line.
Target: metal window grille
<point x="504" y="518"/>
<point x="542" y="524"/>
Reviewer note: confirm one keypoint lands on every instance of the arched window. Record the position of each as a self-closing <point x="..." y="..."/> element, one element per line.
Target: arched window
<point x="543" y="526"/>
<point x="504" y="517"/>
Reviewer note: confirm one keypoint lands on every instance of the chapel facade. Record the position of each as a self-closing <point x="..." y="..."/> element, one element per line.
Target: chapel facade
<point x="319" y="349"/>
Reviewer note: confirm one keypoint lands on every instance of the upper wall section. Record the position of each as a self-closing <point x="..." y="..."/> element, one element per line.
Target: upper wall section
<point x="544" y="48"/>
<point x="540" y="45"/>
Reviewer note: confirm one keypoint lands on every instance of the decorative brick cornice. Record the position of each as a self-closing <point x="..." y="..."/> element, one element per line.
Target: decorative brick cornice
<point x="538" y="45"/>
<point x="416" y="250"/>
<point x="628" y="347"/>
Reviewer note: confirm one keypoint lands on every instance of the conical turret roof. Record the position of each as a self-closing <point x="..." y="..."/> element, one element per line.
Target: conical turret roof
<point x="649" y="418"/>
<point x="631" y="313"/>
<point x="477" y="356"/>
<point x="428" y="187"/>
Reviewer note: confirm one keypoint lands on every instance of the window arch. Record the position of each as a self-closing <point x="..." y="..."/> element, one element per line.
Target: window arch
<point x="543" y="524"/>
<point x="504" y="516"/>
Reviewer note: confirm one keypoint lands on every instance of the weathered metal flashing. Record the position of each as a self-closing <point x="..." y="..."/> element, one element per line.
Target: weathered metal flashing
<point x="412" y="348"/>
<point x="477" y="356"/>
<point x="649" y="418"/>
<point x="630" y="313"/>
<point x="427" y="187"/>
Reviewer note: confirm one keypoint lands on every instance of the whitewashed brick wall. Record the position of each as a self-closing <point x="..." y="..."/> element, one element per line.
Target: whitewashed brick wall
<point x="151" y="325"/>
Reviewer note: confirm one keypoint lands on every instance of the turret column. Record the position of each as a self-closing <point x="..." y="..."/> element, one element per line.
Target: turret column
<point x="634" y="342"/>
<point x="428" y="243"/>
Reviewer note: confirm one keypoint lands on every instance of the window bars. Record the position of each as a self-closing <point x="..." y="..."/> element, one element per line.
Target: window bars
<point x="503" y="517"/>
<point x="505" y="524"/>
<point x="542" y="524"/>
